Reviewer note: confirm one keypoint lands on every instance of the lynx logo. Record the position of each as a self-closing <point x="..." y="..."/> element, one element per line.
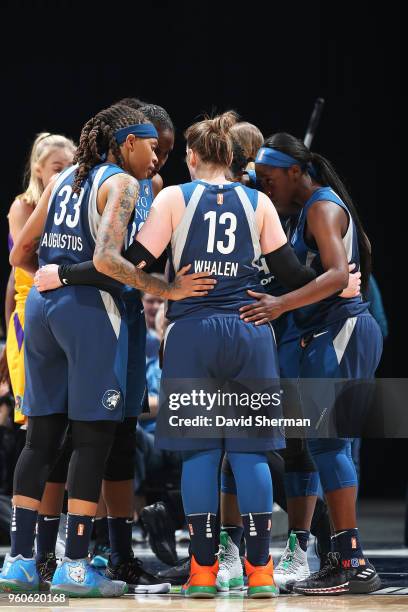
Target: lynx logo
<point x="76" y="572"/>
<point x="111" y="399"/>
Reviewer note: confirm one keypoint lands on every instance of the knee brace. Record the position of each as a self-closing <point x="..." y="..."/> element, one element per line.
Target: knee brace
<point x="334" y="462"/>
<point x="59" y="471"/>
<point x="120" y="464"/>
<point x="43" y="444"/>
<point x="91" y="443"/>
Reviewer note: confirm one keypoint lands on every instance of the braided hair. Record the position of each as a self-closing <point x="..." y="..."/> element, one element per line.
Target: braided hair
<point x="158" y="116"/>
<point x="98" y="137"/>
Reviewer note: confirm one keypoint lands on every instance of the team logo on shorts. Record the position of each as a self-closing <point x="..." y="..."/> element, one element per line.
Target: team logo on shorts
<point x="111" y="399"/>
<point x="18" y="402"/>
<point x="76" y="572"/>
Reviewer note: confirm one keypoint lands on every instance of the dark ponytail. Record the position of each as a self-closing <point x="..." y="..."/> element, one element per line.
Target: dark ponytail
<point x="323" y="173"/>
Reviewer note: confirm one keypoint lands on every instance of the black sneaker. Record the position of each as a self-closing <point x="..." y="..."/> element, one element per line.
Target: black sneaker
<point x="137" y="579"/>
<point x="178" y="574"/>
<point x="161" y="532"/>
<point x="46" y="569"/>
<point x="334" y="579"/>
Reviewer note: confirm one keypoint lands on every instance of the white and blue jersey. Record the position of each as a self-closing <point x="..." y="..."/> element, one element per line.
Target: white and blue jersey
<point x="76" y="339"/>
<point x="136" y="374"/>
<point x="142" y="209"/>
<point x="73" y="219"/>
<point x="217" y="234"/>
<point x="206" y="340"/>
<point x="333" y="308"/>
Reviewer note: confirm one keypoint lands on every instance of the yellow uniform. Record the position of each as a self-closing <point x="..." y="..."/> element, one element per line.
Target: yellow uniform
<point x="15" y="340"/>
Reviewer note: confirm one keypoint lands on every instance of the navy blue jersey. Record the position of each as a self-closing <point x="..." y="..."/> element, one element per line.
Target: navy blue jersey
<point x="217" y="234"/>
<point x="333" y="308"/>
<point x="73" y="219"/>
<point x="142" y="209"/>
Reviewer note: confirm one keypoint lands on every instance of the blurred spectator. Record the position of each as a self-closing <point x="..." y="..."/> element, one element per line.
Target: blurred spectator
<point x="151" y="305"/>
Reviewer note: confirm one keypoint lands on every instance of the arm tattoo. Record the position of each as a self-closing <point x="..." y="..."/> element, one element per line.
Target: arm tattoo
<point x="119" y="207"/>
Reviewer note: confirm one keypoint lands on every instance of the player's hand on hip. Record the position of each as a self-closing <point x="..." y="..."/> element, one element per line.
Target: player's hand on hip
<point x="354" y="285"/>
<point x="190" y="285"/>
<point x="266" y="308"/>
<point x="47" y="278"/>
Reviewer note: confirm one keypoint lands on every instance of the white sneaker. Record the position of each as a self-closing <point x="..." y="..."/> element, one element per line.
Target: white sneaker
<point x="230" y="573"/>
<point x="293" y="564"/>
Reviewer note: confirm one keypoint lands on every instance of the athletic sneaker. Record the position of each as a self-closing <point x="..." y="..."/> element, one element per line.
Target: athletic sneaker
<point x="178" y="574"/>
<point x="160" y="529"/>
<point x="230" y="573"/>
<point x="100" y="555"/>
<point x="19" y="574"/>
<point x="202" y="580"/>
<point x="293" y="565"/>
<point x="77" y="578"/>
<point x="334" y="579"/>
<point x="46" y="570"/>
<point x="260" y="580"/>
<point x="137" y="579"/>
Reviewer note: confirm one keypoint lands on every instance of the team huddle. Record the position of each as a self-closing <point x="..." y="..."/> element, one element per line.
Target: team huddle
<point x="267" y="266"/>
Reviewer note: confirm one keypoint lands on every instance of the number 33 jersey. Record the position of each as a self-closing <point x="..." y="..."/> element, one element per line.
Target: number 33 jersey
<point x="73" y="219"/>
<point x="217" y="234"/>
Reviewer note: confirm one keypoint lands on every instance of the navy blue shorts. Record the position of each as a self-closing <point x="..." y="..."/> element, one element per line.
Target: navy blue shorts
<point x="350" y="350"/>
<point x="136" y="368"/>
<point x="219" y="347"/>
<point x="76" y="347"/>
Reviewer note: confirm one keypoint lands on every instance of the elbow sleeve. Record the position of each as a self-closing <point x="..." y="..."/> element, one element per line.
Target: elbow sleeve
<point x="139" y="256"/>
<point x="288" y="270"/>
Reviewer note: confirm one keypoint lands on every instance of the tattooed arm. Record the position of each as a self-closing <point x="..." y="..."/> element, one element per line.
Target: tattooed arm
<point x="24" y="251"/>
<point x="120" y="193"/>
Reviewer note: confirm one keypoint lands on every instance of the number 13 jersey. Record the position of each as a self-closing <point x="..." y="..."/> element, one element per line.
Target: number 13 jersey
<point x="217" y="234"/>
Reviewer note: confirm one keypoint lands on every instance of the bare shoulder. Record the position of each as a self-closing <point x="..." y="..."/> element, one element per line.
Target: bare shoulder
<point x="21" y="206"/>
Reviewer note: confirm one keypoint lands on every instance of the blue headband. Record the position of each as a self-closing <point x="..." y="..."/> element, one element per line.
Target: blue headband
<point x="277" y="159"/>
<point x="141" y="130"/>
<point x="273" y="157"/>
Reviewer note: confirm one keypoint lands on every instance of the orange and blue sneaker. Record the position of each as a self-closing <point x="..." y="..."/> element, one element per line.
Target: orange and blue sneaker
<point x="260" y="580"/>
<point x="202" y="580"/>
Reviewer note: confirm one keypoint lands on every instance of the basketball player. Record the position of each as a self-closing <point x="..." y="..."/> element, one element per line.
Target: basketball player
<point x="50" y="154"/>
<point x="89" y="207"/>
<point x="340" y="338"/>
<point x="293" y="564"/>
<point x="118" y="475"/>
<point x="206" y="328"/>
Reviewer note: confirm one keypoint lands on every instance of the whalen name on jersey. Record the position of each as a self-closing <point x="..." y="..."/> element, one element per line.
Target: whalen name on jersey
<point x="220" y="268"/>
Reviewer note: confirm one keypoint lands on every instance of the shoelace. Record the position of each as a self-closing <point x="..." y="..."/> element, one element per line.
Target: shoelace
<point x="286" y="557"/>
<point x="221" y="552"/>
<point x="47" y="568"/>
<point x="332" y="565"/>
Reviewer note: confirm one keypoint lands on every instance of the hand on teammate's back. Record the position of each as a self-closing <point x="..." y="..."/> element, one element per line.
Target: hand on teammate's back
<point x="190" y="285"/>
<point x="47" y="278"/>
<point x="266" y="308"/>
<point x="354" y="285"/>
